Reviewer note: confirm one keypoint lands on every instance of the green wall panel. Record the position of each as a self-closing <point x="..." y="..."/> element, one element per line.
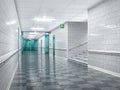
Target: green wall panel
<point x="53" y="44"/>
<point x="30" y="45"/>
<point x="47" y="43"/>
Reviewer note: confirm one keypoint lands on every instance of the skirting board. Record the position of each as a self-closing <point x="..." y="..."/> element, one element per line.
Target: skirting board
<point x="78" y="60"/>
<point x="105" y="71"/>
<point x="6" y="56"/>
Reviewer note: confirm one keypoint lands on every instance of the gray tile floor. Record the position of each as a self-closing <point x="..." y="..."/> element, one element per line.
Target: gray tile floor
<point x="53" y="73"/>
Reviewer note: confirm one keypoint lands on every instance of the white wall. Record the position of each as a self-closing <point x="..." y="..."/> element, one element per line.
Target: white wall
<point x="77" y="41"/>
<point x="104" y="27"/>
<point x="104" y="35"/>
<point x="77" y="37"/>
<point x="8" y="42"/>
<point x="8" y="34"/>
<point x="73" y="37"/>
<point x="61" y="37"/>
<point x="60" y="41"/>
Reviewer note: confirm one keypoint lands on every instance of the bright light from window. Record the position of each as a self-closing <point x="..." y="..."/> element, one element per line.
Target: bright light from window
<point x="37" y="28"/>
<point x="44" y="19"/>
<point x="10" y="22"/>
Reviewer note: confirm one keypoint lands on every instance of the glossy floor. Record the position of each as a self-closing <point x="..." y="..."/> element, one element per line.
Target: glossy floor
<point x="36" y="72"/>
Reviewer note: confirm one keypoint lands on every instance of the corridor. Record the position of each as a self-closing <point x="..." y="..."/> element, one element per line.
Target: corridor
<point x="36" y="72"/>
<point x="59" y="44"/>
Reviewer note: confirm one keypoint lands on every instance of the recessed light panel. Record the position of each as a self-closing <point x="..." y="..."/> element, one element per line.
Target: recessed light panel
<point x="44" y="19"/>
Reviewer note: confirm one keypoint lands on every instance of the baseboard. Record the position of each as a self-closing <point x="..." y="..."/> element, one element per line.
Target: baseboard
<point x="105" y="71"/>
<point x="4" y="57"/>
<point x="78" y="60"/>
<point x="8" y="88"/>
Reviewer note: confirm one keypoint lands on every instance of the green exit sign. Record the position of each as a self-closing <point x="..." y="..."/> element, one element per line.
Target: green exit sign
<point x="62" y="25"/>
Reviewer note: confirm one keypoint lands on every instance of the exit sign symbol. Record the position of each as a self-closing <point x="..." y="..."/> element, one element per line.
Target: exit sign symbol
<point x="62" y="25"/>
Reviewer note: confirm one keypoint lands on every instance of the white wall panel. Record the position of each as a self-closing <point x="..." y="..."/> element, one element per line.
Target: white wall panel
<point x="104" y="35"/>
<point x="61" y="37"/>
<point x="77" y="38"/>
<point x="8" y="33"/>
<point x="8" y="42"/>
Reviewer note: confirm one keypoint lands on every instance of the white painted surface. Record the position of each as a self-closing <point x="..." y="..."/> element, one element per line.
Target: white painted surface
<point x="77" y="38"/>
<point x="105" y="71"/>
<point x="8" y="42"/>
<point x="6" y="56"/>
<point x="61" y="10"/>
<point x="104" y="36"/>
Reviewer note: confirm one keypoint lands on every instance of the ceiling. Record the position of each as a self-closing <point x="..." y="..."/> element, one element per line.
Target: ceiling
<point x="61" y="10"/>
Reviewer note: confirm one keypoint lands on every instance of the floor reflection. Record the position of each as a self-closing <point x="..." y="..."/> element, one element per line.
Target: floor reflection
<point x="37" y="71"/>
<point x="54" y="66"/>
<point x="47" y="66"/>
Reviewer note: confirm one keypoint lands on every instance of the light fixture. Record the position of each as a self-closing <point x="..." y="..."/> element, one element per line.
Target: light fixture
<point x="10" y="22"/>
<point x="31" y="36"/>
<point x="33" y="33"/>
<point x="110" y="26"/>
<point x="37" y="28"/>
<point x="16" y="30"/>
<point x="92" y="34"/>
<point x="44" y="19"/>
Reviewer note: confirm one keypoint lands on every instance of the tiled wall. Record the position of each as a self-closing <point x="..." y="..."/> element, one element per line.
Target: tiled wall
<point x="104" y="35"/>
<point x="77" y="38"/>
<point x="8" y="41"/>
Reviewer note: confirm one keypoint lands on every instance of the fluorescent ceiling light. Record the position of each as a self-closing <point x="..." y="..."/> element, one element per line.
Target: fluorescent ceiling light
<point x="10" y="22"/>
<point x="92" y="34"/>
<point x="33" y="33"/>
<point x="31" y="36"/>
<point x="44" y="19"/>
<point x="16" y="30"/>
<point x="110" y="26"/>
<point x="37" y="28"/>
